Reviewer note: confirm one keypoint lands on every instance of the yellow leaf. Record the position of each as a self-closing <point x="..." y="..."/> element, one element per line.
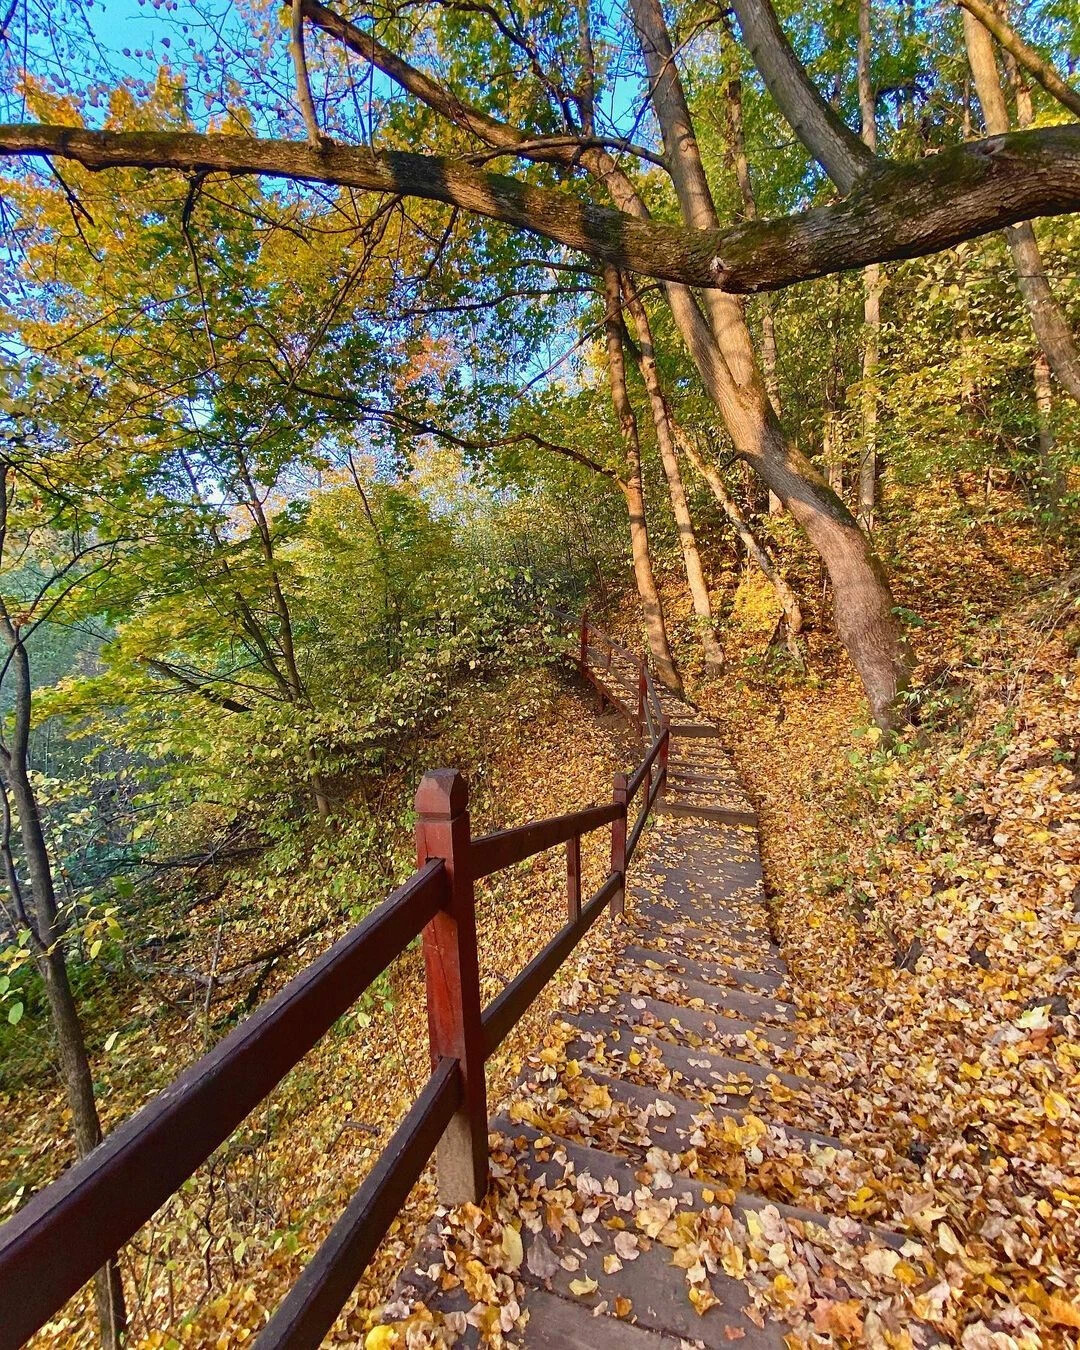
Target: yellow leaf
<point x="1056" y="1106"/>
<point x="582" y="1288"/>
<point x="381" y="1338"/>
<point x="513" y="1252"/>
<point x="703" y="1298"/>
<point x="1062" y="1312"/>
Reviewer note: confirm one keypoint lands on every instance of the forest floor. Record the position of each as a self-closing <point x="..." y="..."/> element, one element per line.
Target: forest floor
<point x="926" y="896"/>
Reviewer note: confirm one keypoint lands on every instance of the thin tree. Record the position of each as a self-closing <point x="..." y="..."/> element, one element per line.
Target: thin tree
<point x="669" y="458"/>
<point x="873" y="285"/>
<point x="34" y="907"/>
<point x="633" y="489"/>
<point x="1048" y="321"/>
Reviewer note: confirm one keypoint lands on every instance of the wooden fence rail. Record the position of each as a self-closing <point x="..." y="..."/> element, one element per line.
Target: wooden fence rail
<point x="53" y="1245"/>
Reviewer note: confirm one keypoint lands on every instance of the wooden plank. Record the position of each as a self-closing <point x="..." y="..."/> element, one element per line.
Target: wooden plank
<point x="643" y="768"/>
<point x="703" y="729"/>
<point x="671" y="806"/>
<point x="311" y="1307"/>
<point x="504" y="1012"/>
<point x="503" y="848"/>
<point x="69" y="1229"/>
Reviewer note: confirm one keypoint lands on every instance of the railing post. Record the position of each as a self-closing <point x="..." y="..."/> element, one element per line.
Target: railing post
<point x="573" y="879"/>
<point x="453" y="983"/>
<point x="642" y="691"/>
<point x="618" y="844"/>
<point x="665" y="747"/>
<point x="584" y="638"/>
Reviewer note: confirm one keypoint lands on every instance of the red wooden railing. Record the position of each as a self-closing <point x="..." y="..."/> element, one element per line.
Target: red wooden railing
<point x="68" y="1230"/>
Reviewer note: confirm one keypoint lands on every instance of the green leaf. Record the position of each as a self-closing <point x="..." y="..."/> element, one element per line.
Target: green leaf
<point x="15" y="1013"/>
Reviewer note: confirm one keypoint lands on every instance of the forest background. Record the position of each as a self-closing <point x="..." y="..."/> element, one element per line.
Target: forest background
<point x="300" y="482"/>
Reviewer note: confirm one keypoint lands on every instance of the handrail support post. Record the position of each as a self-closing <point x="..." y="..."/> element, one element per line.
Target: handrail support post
<point x="665" y="747"/>
<point x="452" y="967"/>
<point x="573" y="879"/>
<point x="618" y="845"/>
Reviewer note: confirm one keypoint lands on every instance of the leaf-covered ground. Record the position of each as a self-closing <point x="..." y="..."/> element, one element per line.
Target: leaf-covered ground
<point x="212" y="1263"/>
<point x="926" y="894"/>
<point x="927" y="897"/>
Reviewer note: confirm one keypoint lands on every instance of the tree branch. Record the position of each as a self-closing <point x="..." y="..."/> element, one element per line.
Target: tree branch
<point x="1041" y="71"/>
<point x="831" y="142"/>
<point x="898" y="211"/>
<point x="204" y="690"/>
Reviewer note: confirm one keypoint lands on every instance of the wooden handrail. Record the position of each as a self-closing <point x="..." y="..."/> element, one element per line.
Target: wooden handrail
<point x="493" y="852"/>
<point x="503" y="1012"/>
<point x="645" y="767"/>
<point x="52" y="1246"/>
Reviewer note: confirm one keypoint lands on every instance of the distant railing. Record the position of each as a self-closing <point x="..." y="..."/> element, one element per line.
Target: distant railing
<point x="66" y="1232"/>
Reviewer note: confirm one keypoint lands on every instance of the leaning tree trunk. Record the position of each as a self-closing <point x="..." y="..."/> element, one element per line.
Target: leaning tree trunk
<point x="1051" y="329"/>
<point x="633" y="490"/>
<point x="740" y="163"/>
<point x="695" y="573"/>
<point x="873" y="285"/>
<point x="723" y="351"/>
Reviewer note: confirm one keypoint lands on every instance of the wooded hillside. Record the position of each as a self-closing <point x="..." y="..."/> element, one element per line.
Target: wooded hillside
<point x="348" y="356"/>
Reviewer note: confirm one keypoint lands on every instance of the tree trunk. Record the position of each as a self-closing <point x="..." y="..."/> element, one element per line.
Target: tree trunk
<point x="1050" y="484"/>
<point x="695" y="574"/>
<point x="651" y="608"/>
<point x="793" y="620"/>
<point x="48" y="945"/>
<point x="725" y="357"/>
<point x="297" y="690"/>
<point x="873" y="285"/>
<point x="1051" y="330"/>
<point x="741" y="166"/>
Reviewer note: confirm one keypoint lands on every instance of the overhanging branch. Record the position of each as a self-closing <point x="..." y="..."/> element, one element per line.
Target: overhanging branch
<point x="897" y="211"/>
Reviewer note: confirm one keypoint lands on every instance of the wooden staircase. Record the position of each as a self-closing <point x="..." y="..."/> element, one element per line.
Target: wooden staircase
<point x="619" y="1153"/>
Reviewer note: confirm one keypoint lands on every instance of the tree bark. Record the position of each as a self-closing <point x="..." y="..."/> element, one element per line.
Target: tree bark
<point x="725" y="357"/>
<point x="1051" y="330"/>
<point x="47" y="942"/>
<point x="833" y="144"/>
<point x="633" y="490"/>
<point x="898" y="211"/>
<point x="741" y="165"/>
<point x="684" y="525"/>
<point x="873" y="285"/>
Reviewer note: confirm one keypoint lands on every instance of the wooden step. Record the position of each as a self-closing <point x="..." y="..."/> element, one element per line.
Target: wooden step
<point x="671" y="806"/>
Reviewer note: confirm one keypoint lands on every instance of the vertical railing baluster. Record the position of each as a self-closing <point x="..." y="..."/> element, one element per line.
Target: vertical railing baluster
<point x="573" y="879"/>
<point x="642" y="689"/>
<point x="584" y="658"/>
<point x="618" y="844"/>
<point x="453" y="983"/>
<point x="665" y="748"/>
